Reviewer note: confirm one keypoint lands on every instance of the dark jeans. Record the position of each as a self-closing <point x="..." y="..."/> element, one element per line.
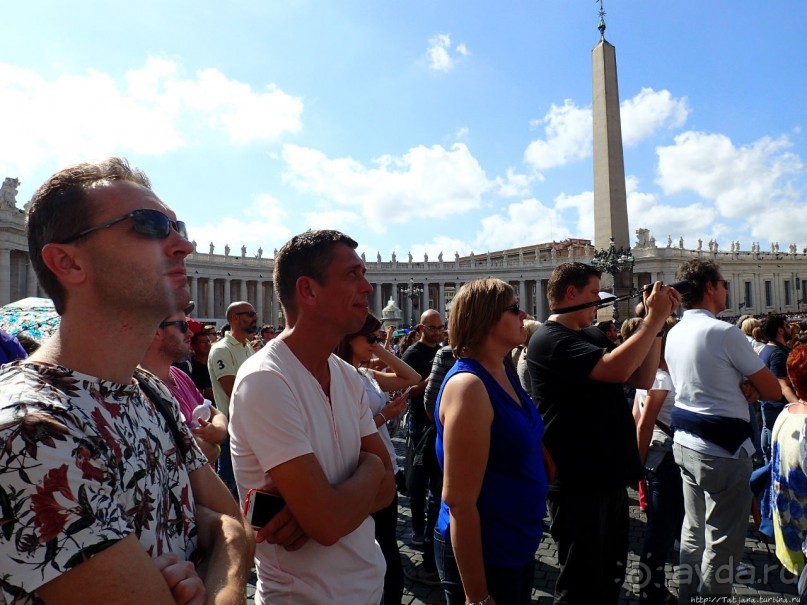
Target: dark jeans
<point x="590" y="528"/>
<point x="424" y="484"/>
<point x="665" y="514"/>
<point x="225" y="468"/>
<point x="386" y="524"/>
<point x="507" y="585"/>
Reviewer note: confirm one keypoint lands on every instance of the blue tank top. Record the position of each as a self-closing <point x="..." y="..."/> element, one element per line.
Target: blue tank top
<point x="512" y="501"/>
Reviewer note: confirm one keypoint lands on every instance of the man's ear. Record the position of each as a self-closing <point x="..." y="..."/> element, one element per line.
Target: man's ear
<point x="571" y="291"/>
<point x="306" y="288"/>
<point x="64" y="263"/>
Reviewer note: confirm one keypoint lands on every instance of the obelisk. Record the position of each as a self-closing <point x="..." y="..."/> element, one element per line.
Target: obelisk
<point x="610" y="199"/>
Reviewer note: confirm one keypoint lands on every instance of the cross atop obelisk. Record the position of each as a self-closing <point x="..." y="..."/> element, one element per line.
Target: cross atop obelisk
<point x="610" y="199"/>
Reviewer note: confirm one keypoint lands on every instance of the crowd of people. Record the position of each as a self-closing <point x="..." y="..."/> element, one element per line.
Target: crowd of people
<point x="134" y="466"/>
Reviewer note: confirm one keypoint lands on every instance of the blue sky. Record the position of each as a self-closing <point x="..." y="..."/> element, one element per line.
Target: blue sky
<point x="420" y="126"/>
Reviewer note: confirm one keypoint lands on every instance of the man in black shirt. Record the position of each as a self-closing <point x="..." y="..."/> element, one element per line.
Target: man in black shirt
<point x="423" y="476"/>
<point x="200" y="349"/>
<point x="577" y="376"/>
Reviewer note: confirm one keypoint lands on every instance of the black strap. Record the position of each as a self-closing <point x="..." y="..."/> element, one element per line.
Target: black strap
<point x="665" y="428"/>
<point x="164" y="407"/>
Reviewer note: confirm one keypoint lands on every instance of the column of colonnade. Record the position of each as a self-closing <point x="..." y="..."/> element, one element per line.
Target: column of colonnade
<point x="5" y="275"/>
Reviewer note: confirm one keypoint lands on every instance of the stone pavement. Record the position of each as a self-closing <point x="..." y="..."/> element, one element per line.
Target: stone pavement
<point x="760" y="580"/>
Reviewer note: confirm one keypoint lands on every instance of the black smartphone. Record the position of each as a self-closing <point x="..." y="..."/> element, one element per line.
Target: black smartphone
<point x="261" y="506"/>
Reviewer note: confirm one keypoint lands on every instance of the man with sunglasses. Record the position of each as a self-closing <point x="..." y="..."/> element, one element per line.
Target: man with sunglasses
<point x="172" y="343"/>
<point x="225" y="357"/>
<point x="713" y="369"/>
<point x="109" y="497"/>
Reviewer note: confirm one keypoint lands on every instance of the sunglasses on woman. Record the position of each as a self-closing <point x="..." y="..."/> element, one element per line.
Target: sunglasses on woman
<point x="372" y="338"/>
<point x="147" y="222"/>
<point x="513" y="309"/>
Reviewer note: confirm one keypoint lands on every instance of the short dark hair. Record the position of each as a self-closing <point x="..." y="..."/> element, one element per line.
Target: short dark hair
<point x="267" y="328"/>
<point x="60" y="208"/>
<point x="699" y="273"/>
<point x="305" y="255"/>
<point x="771" y="324"/>
<point x="344" y="350"/>
<point x="565" y="275"/>
<point x="197" y="335"/>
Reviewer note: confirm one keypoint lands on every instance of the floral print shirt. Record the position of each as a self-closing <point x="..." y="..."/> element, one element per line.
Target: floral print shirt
<point x="84" y="462"/>
<point x="789" y="491"/>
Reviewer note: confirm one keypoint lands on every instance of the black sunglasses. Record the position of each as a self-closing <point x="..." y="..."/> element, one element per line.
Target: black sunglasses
<point x="147" y="222"/>
<point x="247" y="313"/>
<point x="513" y="309"/>
<point x="180" y="323"/>
<point x="372" y="338"/>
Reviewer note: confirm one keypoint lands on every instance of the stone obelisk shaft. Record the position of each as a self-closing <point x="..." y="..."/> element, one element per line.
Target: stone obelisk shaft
<point x="610" y="200"/>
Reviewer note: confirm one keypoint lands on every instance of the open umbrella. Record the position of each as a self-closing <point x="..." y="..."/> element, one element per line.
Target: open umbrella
<point x="35" y="317"/>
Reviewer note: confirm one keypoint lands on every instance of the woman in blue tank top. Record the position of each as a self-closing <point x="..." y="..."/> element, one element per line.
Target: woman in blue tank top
<point x="489" y="447"/>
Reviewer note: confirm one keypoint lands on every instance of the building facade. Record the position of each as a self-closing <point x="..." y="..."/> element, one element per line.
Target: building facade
<point x="760" y="282"/>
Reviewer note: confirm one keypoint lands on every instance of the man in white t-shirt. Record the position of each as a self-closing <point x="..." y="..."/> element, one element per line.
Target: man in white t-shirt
<point x="300" y="426"/>
<point x="713" y="369"/>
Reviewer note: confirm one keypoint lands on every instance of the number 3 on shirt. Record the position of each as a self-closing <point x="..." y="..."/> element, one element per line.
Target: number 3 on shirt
<point x="221" y="364"/>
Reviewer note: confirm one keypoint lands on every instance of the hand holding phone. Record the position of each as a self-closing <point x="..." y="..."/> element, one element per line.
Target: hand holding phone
<point x="261" y="506"/>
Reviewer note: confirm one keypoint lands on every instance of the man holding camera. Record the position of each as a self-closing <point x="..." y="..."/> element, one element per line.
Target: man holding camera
<point x="714" y="370"/>
<point x="577" y="376"/>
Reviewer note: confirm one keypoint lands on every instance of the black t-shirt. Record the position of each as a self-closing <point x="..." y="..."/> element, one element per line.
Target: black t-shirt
<point x="774" y="355"/>
<point x="420" y="356"/>
<point x="589" y="429"/>
<point x="200" y="375"/>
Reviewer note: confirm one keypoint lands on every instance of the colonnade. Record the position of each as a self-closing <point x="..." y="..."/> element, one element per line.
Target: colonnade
<point x="438" y="294"/>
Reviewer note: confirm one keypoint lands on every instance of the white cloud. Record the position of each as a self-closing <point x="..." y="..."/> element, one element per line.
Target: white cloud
<point x="568" y="137"/>
<point x="341" y="220"/>
<point x="568" y="128"/>
<point x="583" y="204"/>
<point x="426" y="182"/>
<point x="786" y="223"/>
<point x="521" y="224"/>
<point x="262" y="226"/>
<point x="440" y="55"/>
<point x="663" y="221"/>
<point x="524" y="223"/>
<point x="152" y="111"/>
<point x="740" y="180"/>
<point x="514" y="184"/>
<point x="650" y="111"/>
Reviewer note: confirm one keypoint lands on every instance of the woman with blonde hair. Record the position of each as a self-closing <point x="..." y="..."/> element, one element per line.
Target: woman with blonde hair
<point x="489" y="447"/>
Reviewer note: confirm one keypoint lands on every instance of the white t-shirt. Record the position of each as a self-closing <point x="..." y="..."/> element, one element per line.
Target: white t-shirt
<point x="662" y="382"/>
<point x="708" y="359"/>
<point x="279" y="412"/>
<point x="377" y="400"/>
